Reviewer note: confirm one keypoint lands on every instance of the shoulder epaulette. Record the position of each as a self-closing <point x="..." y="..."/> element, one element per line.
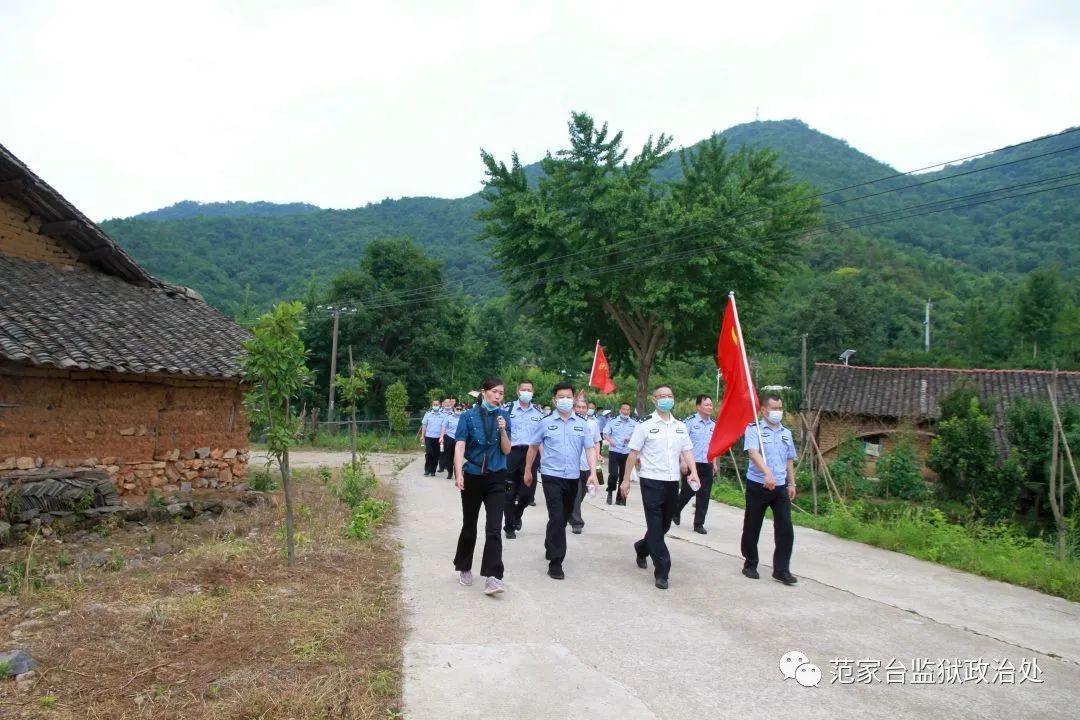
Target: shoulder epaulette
<point x="647" y="417"/>
<point x="688" y="418"/>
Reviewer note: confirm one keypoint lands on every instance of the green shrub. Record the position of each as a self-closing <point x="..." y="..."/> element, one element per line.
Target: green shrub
<point x="325" y="474"/>
<point x="848" y="469"/>
<point x="899" y="473"/>
<point x="357" y="482"/>
<point x="365" y="518"/>
<point x="261" y="481"/>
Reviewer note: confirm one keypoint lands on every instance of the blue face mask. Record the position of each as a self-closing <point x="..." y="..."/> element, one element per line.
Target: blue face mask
<point x="564" y="405"/>
<point x="665" y="404"/>
<point x="525" y="396"/>
<point x="488" y="406"/>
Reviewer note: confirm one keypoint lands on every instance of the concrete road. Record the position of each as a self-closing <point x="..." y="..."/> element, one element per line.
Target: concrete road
<point x="605" y="643"/>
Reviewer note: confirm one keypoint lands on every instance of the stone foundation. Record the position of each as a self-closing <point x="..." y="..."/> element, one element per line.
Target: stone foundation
<point x="169" y="472"/>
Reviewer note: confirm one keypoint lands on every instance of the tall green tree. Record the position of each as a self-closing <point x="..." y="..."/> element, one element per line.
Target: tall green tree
<point x="275" y="368"/>
<point x="1038" y="307"/>
<point x="641" y="263"/>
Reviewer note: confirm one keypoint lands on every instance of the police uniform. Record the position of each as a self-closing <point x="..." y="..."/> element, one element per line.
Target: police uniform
<point x="561" y="442"/>
<point x="446" y="448"/>
<point x="660" y="444"/>
<point x="618" y="431"/>
<point x="518" y="494"/>
<point x="433" y="423"/>
<point x="577" y="522"/>
<point x="446" y="462"/>
<point x="779" y="448"/>
<point x="701" y="431"/>
<point x="484" y="484"/>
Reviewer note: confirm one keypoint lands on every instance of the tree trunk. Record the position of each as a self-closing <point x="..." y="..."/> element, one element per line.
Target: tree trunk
<point x="352" y="435"/>
<point x="643" y="369"/>
<point x="286" y="483"/>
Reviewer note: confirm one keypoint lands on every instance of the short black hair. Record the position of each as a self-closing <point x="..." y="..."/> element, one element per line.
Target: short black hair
<point x="702" y="398"/>
<point x="491" y="382"/>
<point x="771" y="396"/>
<point x="525" y="382"/>
<point x="626" y="404"/>
<point x="561" y="386"/>
<point x="664" y="385"/>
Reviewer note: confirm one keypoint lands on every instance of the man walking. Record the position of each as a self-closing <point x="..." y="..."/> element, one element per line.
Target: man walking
<point x="577" y="522"/>
<point x="617" y="433"/>
<point x="446" y="450"/>
<point x="559" y="440"/>
<point x="430" y="430"/>
<point x="700" y="426"/>
<point x="770" y="484"/>
<point x="448" y="439"/>
<point x="662" y="443"/>
<point x="525" y="418"/>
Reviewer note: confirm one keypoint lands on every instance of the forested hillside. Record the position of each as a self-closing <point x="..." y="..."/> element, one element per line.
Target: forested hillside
<point x="965" y="236"/>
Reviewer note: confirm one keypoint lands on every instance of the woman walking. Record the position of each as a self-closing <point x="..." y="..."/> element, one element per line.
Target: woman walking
<point x="482" y="444"/>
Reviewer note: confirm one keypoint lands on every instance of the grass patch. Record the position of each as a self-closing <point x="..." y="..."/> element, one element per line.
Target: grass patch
<point x="1000" y="552"/>
<point x="367" y="442"/>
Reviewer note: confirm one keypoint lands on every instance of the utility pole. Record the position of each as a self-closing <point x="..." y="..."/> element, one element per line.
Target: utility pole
<point x="803" y="394"/>
<point x="926" y="323"/>
<point x="336" y="312"/>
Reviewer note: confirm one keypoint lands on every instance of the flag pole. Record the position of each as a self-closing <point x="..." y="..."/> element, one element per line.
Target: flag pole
<point x="746" y="369"/>
<point x="595" y="353"/>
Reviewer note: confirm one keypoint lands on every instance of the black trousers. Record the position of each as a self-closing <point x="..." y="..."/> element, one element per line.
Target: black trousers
<point x="658" y="498"/>
<point x="446" y="458"/>
<point x="518" y="494"/>
<point x="431" y="454"/>
<point x="576" y="520"/>
<point x="705" y="475"/>
<point x="559" y="494"/>
<point x="487" y="490"/>
<point x="616" y="468"/>
<point x="758" y="499"/>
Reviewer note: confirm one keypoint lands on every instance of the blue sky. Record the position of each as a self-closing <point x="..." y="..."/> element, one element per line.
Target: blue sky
<point x="130" y="106"/>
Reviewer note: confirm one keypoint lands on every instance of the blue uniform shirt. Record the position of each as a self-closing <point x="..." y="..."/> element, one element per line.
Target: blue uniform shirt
<point x="601" y="421"/>
<point x="620" y="429"/>
<point x="479" y="430"/>
<point x="561" y="444"/>
<point x="779" y="448"/>
<point x="451" y="425"/>
<point x="700" y="434"/>
<point x="594" y="429"/>
<point x="526" y="420"/>
<point x="433" y="422"/>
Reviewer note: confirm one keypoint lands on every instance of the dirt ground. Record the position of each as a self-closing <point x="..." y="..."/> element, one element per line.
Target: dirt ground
<point x="202" y="619"/>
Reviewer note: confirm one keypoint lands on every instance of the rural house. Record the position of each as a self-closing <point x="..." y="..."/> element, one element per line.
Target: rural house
<point x="873" y="403"/>
<point x="102" y="366"/>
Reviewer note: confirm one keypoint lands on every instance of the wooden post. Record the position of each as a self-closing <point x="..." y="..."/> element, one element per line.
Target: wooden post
<point x="1059" y="520"/>
<point x="352" y="425"/>
<point x="1059" y="428"/>
<point x="333" y="365"/>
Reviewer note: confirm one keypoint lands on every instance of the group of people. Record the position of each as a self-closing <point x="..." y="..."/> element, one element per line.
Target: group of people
<point x="497" y="453"/>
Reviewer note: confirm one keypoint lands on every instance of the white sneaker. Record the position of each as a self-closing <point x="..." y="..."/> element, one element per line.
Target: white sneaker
<point x="465" y="578"/>
<point x="494" y="586"/>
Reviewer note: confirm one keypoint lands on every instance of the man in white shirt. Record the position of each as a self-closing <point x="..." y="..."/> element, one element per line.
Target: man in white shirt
<point x="660" y="442"/>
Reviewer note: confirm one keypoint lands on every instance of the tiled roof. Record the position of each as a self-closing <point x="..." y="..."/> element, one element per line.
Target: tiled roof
<point x="73" y="317"/>
<point x="915" y="393"/>
<point x="64" y="220"/>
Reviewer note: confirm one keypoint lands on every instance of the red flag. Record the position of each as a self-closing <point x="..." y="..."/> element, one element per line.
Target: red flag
<point x="600" y="377"/>
<point x="739" y="407"/>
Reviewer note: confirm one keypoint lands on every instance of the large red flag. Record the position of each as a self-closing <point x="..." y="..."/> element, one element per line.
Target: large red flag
<point x="739" y="407"/>
<point x="600" y="377"/>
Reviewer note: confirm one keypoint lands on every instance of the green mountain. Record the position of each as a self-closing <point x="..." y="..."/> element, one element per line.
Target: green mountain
<point x="192" y="209"/>
<point x="221" y="249"/>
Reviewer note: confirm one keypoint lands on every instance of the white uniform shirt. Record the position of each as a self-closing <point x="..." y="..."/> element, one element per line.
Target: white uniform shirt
<point x="659" y="445"/>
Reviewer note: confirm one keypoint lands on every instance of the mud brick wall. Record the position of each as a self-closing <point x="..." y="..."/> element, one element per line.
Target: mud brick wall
<point x="146" y="433"/>
<point x="835" y="429"/>
<point x="19" y="237"/>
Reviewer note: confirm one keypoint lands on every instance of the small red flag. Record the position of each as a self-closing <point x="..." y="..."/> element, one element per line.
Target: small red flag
<point x="600" y="378"/>
<point x="739" y="407"/>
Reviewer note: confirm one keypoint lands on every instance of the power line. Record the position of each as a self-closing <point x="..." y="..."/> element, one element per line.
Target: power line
<point x="437" y="290"/>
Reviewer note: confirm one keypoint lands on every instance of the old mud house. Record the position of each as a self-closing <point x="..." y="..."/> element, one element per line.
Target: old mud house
<point x="103" y="366"/>
<point x="875" y="404"/>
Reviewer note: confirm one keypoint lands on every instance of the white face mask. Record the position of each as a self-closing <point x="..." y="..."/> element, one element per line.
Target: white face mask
<point x="775" y="416"/>
<point x="564" y="405"/>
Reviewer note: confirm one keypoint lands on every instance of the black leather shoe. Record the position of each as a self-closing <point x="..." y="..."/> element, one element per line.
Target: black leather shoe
<point x="555" y="572"/>
<point x="700" y="530"/>
<point x="661" y="583"/>
<point x="785" y="577"/>
<point x="609" y="501"/>
<point x="532" y="503"/>
<point x="517" y="525"/>
<point x="676" y="519"/>
<point x="510" y="534"/>
<point x="643" y="563"/>
<point x="750" y="573"/>
<point x="576" y="531"/>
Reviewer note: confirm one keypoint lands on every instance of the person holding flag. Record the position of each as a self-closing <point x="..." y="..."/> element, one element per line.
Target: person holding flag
<point x="770" y="447"/>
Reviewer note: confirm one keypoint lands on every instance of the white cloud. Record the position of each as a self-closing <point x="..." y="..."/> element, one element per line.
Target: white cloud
<point x="128" y="106"/>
